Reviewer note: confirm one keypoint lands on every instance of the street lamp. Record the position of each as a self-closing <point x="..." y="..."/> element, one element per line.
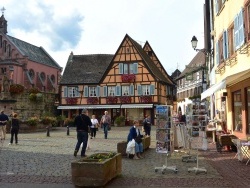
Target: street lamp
<point x="194" y="42"/>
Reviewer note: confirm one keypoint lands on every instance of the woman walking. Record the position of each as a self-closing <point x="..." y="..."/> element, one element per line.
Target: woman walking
<point x="14" y="129"/>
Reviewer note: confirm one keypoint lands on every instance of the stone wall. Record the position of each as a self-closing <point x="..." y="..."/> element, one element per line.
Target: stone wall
<point x="24" y="107"/>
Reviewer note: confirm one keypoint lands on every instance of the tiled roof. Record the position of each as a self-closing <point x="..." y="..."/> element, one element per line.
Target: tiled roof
<point x="194" y="65"/>
<point x="150" y="64"/>
<point x="85" y="69"/>
<point x="34" y="53"/>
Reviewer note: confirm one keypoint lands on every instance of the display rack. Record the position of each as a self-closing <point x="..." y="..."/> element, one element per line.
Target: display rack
<point x="164" y="136"/>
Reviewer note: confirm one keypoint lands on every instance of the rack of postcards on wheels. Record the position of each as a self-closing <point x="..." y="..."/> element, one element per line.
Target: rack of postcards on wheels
<point x="164" y="136"/>
<point x="196" y="136"/>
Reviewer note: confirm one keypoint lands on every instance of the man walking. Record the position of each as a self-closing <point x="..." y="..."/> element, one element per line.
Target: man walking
<point x="83" y="124"/>
<point x="3" y="122"/>
<point x="106" y="122"/>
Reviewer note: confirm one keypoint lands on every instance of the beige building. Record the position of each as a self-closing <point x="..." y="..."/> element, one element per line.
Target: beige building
<point x="231" y="89"/>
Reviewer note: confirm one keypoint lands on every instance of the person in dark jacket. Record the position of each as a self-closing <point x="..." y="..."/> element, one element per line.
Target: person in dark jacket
<point x="134" y="133"/>
<point x="83" y="124"/>
<point x="3" y="122"/>
<point x="14" y="128"/>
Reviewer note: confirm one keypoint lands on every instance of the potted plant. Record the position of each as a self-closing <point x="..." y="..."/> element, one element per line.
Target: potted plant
<point x="96" y="170"/>
<point x="120" y="121"/>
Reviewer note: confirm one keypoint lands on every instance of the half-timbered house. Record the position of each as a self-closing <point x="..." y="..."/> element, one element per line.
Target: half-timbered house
<point x="130" y="83"/>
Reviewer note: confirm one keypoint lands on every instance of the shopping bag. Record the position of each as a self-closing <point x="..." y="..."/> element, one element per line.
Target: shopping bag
<point x="131" y="147"/>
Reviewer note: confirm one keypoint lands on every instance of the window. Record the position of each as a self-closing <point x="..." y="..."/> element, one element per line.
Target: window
<point x="9" y="50"/>
<point x="248" y="110"/>
<point x="4" y="46"/>
<point x="231" y="42"/>
<point x="1" y="41"/>
<point x="248" y="21"/>
<point x="128" y="68"/>
<point x="42" y="75"/>
<point x="237" y="111"/>
<point x="145" y="89"/>
<point x="125" y="90"/>
<point x="218" y="5"/>
<point x="111" y="90"/>
<point x="53" y="79"/>
<point x="92" y="92"/>
<point x="73" y="92"/>
<point x="31" y="74"/>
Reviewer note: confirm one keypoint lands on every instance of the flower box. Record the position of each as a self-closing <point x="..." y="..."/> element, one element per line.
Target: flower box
<point x="92" y="172"/>
<point x="92" y="100"/>
<point x="111" y="100"/>
<point x="71" y="100"/>
<point x="16" y="88"/>
<point x="146" y="99"/>
<point x="125" y="99"/>
<point x="128" y="78"/>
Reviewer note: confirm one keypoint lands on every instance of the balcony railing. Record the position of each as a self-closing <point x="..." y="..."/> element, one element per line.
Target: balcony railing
<point x="92" y="100"/>
<point x="128" y="78"/>
<point x="125" y="99"/>
<point x="111" y="100"/>
<point x="145" y="99"/>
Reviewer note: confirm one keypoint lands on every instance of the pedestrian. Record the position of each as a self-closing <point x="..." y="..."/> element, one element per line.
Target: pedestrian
<point x="147" y="125"/>
<point x="94" y="127"/>
<point x="134" y="133"/>
<point x="3" y="122"/>
<point x="106" y="122"/>
<point x="82" y="123"/>
<point x="14" y="129"/>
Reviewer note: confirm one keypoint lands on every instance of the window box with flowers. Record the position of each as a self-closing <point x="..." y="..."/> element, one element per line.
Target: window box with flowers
<point x="71" y="100"/>
<point x="128" y="77"/>
<point x="92" y="100"/>
<point x="111" y="100"/>
<point x="146" y="99"/>
<point x="125" y="99"/>
<point x="16" y="88"/>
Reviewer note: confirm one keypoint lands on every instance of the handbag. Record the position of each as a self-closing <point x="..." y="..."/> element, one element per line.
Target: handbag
<point x="138" y="139"/>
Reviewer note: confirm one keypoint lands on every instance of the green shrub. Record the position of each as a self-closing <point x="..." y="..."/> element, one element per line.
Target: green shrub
<point x="32" y="121"/>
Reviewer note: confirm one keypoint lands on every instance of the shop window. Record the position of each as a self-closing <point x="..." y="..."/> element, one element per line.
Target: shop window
<point x="248" y="110"/>
<point x="237" y="111"/>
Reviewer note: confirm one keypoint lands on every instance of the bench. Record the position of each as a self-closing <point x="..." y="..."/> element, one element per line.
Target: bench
<point x="122" y="146"/>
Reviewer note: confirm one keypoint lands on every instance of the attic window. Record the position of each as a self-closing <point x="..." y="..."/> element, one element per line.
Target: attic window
<point x="128" y="50"/>
<point x="150" y="53"/>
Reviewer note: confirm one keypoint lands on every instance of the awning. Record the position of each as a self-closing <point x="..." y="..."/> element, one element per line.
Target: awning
<point x="236" y="78"/>
<point x="137" y="106"/>
<point x="228" y="81"/>
<point x="213" y="89"/>
<point x="87" y="107"/>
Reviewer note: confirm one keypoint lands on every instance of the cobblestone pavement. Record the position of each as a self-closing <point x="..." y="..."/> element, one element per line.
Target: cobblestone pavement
<point x="40" y="161"/>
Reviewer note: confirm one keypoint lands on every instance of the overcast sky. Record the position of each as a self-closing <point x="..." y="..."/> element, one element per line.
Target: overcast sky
<point x="99" y="26"/>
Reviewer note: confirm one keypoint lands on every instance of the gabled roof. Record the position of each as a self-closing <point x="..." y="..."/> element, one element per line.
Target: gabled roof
<point x="85" y="69"/>
<point x="197" y="62"/>
<point x="166" y="74"/>
<point x="34" y="53"/>
<point x="159" y="76"/>
<point x="176" y="74"/>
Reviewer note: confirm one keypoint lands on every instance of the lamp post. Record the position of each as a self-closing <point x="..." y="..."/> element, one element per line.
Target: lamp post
<point x="208" y="53"/>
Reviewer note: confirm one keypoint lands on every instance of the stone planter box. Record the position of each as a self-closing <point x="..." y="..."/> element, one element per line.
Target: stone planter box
<point x="92" y="173"/>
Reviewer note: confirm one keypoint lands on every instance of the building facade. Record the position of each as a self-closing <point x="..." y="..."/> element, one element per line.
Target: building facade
<point x="129" y="83"/>
<point x="231" y="41"/>
<point x="24" y="64"/>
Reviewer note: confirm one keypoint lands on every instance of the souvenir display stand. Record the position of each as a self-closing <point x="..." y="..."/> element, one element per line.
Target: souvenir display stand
<point x="164" y="136"/>
<point x="196" y="125"/>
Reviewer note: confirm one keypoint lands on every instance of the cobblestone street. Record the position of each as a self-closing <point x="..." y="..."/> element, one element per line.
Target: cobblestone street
<point x="41" y="161"/>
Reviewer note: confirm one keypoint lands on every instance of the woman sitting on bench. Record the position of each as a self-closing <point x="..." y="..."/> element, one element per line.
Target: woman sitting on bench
<point x="134" y="133"/>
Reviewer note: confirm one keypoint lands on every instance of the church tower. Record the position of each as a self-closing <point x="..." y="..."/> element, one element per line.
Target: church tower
<point x="3" y="22"/>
